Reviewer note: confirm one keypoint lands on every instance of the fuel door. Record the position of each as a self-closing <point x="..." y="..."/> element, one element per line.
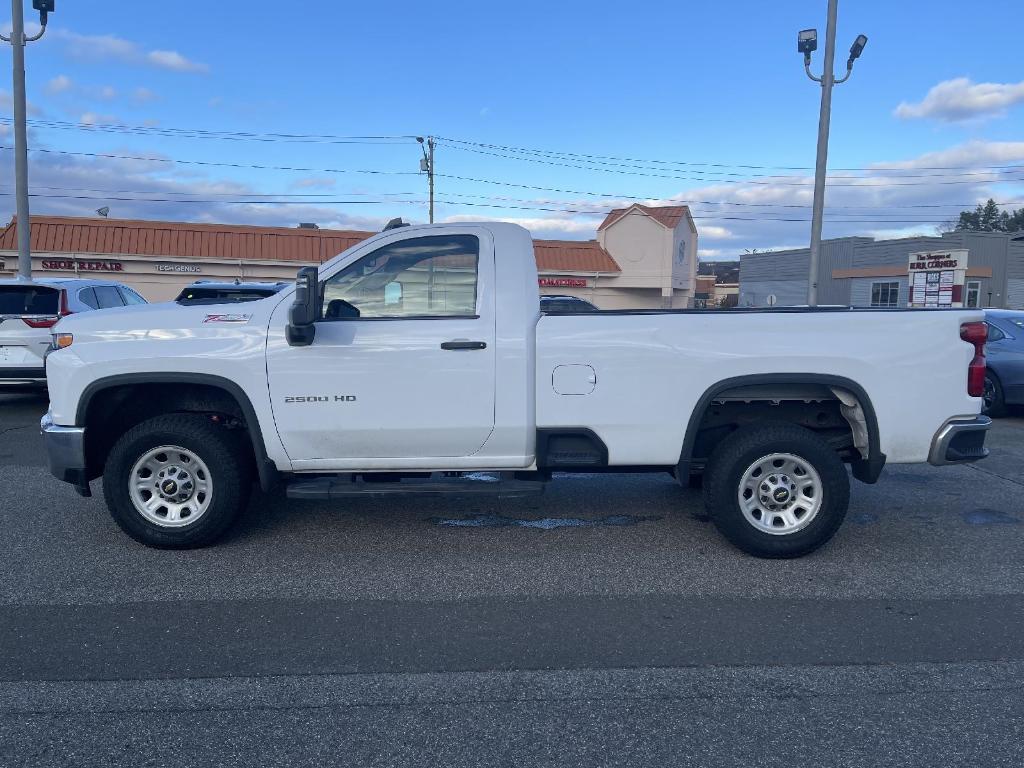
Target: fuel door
<point x="573" y="379"/>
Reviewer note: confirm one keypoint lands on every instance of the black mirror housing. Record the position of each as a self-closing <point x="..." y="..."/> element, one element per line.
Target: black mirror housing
<point x="305" y="309"/>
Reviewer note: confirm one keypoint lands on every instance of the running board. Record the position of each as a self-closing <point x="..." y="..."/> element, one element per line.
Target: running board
<point x="470" y="484"/>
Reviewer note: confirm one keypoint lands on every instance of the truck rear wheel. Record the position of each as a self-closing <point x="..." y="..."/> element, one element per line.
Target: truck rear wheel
<point x="177" y="481"/>
<point x="776" y="490"/>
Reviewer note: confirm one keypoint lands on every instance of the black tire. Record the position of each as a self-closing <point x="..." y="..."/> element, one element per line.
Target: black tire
<point x="738" y="452"/>
<point x="994" y="404"/>
<point x="225" y="453"/>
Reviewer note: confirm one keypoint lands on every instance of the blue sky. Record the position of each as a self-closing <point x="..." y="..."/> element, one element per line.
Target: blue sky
<point x="653" y="92"/>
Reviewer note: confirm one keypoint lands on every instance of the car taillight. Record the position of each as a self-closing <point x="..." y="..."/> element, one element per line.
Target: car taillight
<point x="49" y="322"/>
<point x="975" y="334"/>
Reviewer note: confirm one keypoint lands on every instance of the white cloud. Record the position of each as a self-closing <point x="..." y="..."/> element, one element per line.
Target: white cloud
<point x="716" y="232"/>
<point x="313" y="182"/>
<point x="962" y="99"/>
<point x="542" y="227"/>
<point x="59" y="84"/>
<point x="142" y="95"/>
<point x="7" y="104"/>
<point x="971" y="154"/>
<point x="174" y="60"/>
<point x="92" y="118"/>
<point x="104" y="47"/>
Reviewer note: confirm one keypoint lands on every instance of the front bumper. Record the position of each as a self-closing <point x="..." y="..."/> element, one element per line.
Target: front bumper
<point x="11" y="376"/>
<point x="960" y="440"/>
<point x="65" y="450"/>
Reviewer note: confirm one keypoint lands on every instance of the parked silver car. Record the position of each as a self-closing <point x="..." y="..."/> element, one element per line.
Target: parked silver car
<point x="30" y="308"/>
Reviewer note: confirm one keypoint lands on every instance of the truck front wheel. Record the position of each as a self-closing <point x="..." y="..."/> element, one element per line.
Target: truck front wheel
<point x="776" y="490"/>
<point x="176" y="481"/>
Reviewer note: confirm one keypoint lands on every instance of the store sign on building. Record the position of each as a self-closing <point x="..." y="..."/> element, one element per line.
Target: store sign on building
<point x="77" y="265"/>
<point x="562" y="282"/>
<point x="937" y="278"/>
<point x="188" y="268"/>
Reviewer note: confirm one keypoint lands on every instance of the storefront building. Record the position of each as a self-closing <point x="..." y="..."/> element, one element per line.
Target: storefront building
<point x="972" y="269"/>
<point x="642" y="258"/>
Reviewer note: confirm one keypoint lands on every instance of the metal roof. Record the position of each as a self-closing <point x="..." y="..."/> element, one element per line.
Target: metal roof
<point x="189" y="240"/>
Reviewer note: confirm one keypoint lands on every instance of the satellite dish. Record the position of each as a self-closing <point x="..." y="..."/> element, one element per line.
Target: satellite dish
<point x="103" y="211"/>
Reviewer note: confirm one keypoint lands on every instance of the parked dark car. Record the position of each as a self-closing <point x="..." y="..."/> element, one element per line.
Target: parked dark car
<point x="565" y="304"/>
<point x="211" y="292"/>
<point x="1004" y="358"/>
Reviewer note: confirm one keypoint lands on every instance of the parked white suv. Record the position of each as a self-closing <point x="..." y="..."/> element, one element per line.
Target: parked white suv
<point x="30" y="308"/>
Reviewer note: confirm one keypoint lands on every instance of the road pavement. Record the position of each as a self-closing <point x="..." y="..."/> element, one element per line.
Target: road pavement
<point x="603" y="623"/>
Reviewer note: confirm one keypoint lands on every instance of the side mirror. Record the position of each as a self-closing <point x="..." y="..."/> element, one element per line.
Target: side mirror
<point x="305" y="309"/>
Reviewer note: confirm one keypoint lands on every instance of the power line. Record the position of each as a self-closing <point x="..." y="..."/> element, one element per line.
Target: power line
<point x="421" y="203"/>
<point x="198" y="133"/>
<point x="608" y="160"/>
<point x="878" y="167"/>
<point x="774" y="183"/>
<point x="614" y="196"/>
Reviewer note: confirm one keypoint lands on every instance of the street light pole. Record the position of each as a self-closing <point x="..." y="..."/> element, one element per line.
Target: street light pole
<point x="807" y="42"/>
<point x="18" y="42"/>
<point x="824" y="118"/>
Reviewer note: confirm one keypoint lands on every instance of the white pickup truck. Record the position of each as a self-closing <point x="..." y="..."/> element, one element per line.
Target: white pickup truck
<point x="419" y="361"/>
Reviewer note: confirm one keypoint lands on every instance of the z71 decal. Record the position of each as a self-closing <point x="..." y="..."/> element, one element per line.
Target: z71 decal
<point x="227" y="318"/>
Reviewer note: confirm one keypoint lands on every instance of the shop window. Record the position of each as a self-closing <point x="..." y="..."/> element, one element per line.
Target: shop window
<point x="973" y="294"/>
<point x="885" y="294"/>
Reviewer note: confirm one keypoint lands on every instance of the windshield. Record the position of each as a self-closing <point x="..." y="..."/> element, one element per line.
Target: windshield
<point x="222" y="295"/>
<point x="28" y="300"/>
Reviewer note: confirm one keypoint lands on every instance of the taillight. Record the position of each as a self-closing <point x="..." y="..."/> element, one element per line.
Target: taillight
<point x="49" y="322"/>
<point x="975" y="334"/>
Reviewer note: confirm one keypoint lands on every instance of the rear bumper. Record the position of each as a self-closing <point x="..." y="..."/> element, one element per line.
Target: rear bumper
<point x="65" y="451"/>
<point x="960" y="440"/>
<point x="22" y="375"/>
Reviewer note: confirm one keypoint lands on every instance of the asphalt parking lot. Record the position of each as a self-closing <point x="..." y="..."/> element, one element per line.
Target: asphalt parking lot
<point x="603" y="623"/>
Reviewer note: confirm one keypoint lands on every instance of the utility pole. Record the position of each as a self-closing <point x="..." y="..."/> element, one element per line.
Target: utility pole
<point x="427" y="164"/>
<point x="18" y="42"/>
<point x="807" y="43"/>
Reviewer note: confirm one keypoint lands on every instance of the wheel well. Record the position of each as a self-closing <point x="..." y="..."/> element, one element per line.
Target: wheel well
<point x="113" y="410"/>
<point x="842" y="417"/>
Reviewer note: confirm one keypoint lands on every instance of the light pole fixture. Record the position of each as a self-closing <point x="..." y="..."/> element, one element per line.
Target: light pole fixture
<point x="807" y="43"/>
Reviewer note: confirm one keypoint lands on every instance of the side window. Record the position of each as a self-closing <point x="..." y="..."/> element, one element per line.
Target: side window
<point x="130" y="297"/>
<point x="88" y="297"/>
<point x="994" y="334"/>
<point x="107" y="296"/>
<point x="432" y="277"/>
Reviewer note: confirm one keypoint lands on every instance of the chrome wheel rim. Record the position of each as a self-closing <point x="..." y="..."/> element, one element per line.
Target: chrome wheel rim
<point x="780" y="494"/>
<point x="170" y="486"/>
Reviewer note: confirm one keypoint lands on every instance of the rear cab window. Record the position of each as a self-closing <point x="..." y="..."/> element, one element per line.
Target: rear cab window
<point x="222" y="295"/>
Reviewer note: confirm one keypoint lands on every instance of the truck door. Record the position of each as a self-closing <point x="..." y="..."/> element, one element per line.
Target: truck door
<point x="402" y="365"/>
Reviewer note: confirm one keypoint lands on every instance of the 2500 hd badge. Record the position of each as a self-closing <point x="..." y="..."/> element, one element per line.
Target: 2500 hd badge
<point x="320" y="399"/>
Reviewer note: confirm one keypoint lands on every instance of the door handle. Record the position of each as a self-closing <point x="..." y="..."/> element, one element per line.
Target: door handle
<point x="463" y="344"/>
